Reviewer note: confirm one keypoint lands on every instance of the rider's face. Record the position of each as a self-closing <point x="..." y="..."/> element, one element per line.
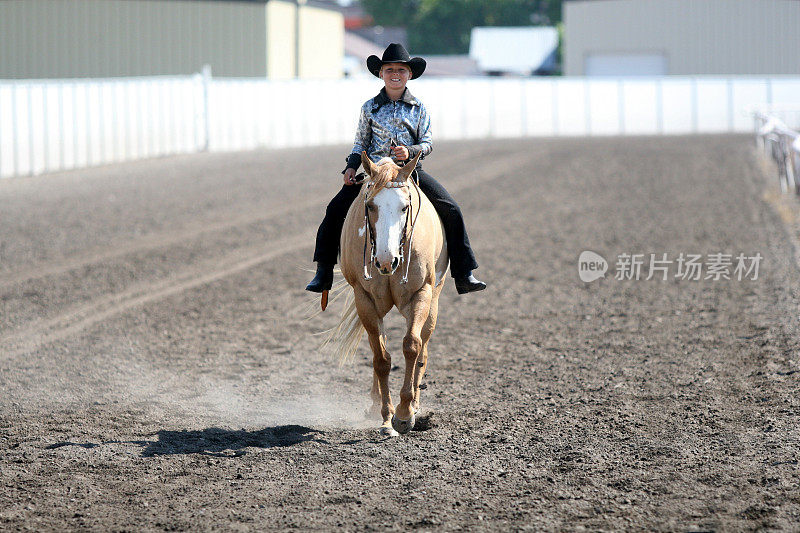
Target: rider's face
<point x="395" y="75"/>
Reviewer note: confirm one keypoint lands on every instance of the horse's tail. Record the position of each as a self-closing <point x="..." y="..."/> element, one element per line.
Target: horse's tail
<point x="346" y="336"/>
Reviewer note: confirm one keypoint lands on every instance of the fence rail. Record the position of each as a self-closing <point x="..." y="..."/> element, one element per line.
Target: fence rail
<point x="51" y="125"/>
<point x="64" y="124"/>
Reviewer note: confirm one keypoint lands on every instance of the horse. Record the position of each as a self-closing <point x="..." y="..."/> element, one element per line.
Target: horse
<point x="393" y="232"/>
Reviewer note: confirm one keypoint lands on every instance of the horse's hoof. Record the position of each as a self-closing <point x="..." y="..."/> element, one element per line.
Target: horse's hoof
<point x="388" y="432"/>
<point x="403" y="426"/>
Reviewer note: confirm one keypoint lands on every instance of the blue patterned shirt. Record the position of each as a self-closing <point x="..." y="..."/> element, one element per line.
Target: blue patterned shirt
<point x="382" y="120"/>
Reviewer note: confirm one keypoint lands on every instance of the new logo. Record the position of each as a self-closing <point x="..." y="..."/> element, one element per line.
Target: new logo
<point x="591" y="266"/>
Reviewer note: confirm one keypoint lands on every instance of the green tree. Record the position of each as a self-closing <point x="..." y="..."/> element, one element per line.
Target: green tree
<point x="389" y="13"/>
<point x="443" y="26"/>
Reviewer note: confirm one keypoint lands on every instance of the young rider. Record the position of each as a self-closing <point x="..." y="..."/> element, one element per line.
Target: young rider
<point x="394" y="124"/>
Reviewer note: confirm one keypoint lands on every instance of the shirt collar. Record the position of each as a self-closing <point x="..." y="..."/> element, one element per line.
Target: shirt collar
<point x="382" y="98"/>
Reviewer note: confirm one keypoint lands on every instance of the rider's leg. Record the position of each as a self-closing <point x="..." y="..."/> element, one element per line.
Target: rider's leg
<point x="462" y="259"/>
<point x="326" y="251"/>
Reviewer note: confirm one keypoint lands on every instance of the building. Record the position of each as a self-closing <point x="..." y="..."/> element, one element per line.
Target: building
<point x="681" y="37"/>
<point x="115" y="38"/>
<point x="521" y="50"/>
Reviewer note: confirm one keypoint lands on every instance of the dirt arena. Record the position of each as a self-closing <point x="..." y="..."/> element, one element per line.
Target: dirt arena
<point x="157" y="371"/>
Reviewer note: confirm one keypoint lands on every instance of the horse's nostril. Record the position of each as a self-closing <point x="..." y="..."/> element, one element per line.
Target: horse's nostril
<point x="395" y="262"/>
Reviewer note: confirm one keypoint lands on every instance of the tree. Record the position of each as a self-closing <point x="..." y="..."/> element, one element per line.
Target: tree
<point x="443" y="26"/>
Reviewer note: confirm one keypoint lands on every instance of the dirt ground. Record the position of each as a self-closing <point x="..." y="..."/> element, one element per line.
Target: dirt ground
<point x="157" y="371"/>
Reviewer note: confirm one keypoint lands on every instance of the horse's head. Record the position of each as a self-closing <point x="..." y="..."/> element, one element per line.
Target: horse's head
<point x="387" y="204"/>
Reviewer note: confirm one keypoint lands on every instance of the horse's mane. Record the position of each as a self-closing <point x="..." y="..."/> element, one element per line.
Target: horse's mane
<point x="386" y="172"/>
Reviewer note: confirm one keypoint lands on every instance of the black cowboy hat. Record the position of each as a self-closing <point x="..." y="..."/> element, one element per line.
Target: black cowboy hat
<point x="396" y="53"/>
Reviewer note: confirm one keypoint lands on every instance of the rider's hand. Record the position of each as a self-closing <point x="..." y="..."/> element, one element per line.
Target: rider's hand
<point x="400" y="153"/>
<point x="350" y="176"/>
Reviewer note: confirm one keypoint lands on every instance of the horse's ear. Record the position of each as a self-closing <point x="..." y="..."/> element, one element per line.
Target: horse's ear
<point x="408" y="168"/>
<point x="367" y="163"/>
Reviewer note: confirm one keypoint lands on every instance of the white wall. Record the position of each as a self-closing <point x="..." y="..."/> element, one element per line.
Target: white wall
<point x="64" y="124"/>
<point x="696" y="37"/>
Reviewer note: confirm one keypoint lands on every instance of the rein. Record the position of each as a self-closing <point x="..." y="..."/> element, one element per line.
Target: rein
<point x="371" y="235"/>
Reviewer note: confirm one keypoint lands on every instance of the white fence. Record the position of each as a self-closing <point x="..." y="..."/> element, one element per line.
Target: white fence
<point x="64" y="124"/>
<point x="49" y="125"/>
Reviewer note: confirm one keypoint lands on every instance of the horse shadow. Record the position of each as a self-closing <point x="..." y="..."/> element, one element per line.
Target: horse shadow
<point x="215" y="441"/>
<point x="226" y="442"/>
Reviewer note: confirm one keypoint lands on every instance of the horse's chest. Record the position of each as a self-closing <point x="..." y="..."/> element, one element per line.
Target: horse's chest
<point x="383" y="294"/>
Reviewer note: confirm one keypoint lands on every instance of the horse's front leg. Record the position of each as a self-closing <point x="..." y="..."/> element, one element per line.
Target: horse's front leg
<point x="422" y="361"/>
<point x="416" y="313"/>
<point x="381" y="360"/>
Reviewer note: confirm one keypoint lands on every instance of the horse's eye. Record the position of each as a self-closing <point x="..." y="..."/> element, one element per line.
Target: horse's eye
<point x="405" y="208"/>
<point x="370" y="207"/>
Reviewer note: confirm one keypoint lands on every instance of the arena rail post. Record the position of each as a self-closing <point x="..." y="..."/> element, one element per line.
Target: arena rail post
<point x="206" y="74"/>
<point x="783" y="145"/>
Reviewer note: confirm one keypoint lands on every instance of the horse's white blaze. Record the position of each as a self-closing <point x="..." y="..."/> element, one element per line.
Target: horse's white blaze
<point x="390" y="224"/>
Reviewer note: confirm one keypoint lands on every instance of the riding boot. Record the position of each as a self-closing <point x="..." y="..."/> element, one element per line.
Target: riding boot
<point x="468" y="283"/>
<point x="323" y="280"/>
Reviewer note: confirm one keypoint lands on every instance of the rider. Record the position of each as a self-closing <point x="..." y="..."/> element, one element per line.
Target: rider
<point x="394" y="123"/>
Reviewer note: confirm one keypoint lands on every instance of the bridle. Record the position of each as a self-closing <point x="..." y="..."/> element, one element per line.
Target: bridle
<point x="410" y="218"/>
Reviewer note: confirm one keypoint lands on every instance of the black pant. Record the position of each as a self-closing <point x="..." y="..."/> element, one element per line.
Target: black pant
<point x="462" y="260"/>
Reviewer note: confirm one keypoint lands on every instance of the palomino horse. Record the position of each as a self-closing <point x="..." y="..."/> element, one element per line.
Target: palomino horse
<point x="395" y="233"/>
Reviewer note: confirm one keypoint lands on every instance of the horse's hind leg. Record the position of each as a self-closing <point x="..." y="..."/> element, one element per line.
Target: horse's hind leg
<point x="416" y="313"/>
<point x="375" y="394"/>
<point x="419" y="372"/>
<point x="381" y="360"/>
